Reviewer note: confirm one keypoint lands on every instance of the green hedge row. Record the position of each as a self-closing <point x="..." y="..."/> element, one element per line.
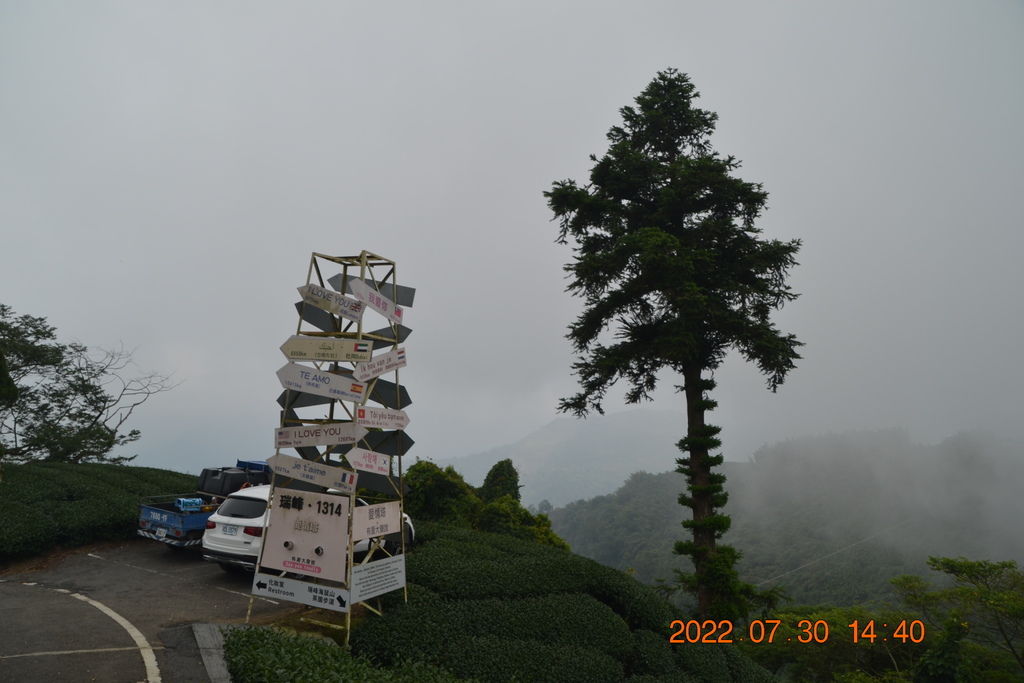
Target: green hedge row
<point x="493" y="608"/>
<point x="45" y="505"/>
<point x="459" y="564"/>
<point x="265" y="655"/>
<point x="426" y="632"/>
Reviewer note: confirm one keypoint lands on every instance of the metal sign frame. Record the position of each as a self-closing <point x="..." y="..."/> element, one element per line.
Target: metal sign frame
<point x="377" y="288"/>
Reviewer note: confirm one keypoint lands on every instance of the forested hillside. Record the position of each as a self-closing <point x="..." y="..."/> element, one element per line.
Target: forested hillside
<point x="831" y="518"/>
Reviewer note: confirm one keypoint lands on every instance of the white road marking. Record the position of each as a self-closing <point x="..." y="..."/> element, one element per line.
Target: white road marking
<point x="145" y="649"/>
<point x="72" y="652"/>
<point x="141" y="644"/>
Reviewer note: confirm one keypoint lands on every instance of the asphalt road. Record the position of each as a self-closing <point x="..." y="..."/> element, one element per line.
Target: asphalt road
<point x="119" y="613"/>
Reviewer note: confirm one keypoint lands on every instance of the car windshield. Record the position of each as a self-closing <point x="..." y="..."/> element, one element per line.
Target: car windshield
<point x="243" y="507"/>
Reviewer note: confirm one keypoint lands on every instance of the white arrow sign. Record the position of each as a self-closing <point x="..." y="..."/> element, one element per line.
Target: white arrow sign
<point x="330" y="434"/>
<point x="327" y="349"/>
<point x="381" y="418"/>
<point x="369" y="461"/>
<point x="313" y="472"/>
<point x="302" y="592"/>
<point x="392" y="360"/>
<point x="312" y="381"/>
<point x="332" y="302"/>
<point x="376" y="300"/>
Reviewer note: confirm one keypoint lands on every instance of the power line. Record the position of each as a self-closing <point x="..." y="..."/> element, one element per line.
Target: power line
<point x="825" y="557"/>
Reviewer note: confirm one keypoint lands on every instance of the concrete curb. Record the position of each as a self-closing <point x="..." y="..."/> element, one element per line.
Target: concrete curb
<point x="211" y="648"/>
<point x="196" y="653"/>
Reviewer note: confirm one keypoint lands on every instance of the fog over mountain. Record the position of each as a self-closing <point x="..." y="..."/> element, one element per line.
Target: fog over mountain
<point x="569" y="459"/>
<point x="832" y="517"/>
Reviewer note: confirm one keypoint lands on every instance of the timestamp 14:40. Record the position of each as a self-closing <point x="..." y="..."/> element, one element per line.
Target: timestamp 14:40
<point x="764" y="631"/>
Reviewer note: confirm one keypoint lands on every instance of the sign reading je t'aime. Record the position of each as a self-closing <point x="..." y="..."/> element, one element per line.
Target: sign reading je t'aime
<point x="327" y="434"/>
<point x="392" y="360"/>
<point x="332" y="302"/>
<point x="298" y="347"/>
<point x="307" y="534"/>
<point x="312" y="381"/>
<point x="312" y="472"/>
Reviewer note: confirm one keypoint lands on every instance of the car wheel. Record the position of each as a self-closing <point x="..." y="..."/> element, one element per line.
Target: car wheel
<point x="394" y="545"/>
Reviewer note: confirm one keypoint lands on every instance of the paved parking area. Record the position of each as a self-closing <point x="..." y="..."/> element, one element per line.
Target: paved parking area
<point x="120" y="613"/>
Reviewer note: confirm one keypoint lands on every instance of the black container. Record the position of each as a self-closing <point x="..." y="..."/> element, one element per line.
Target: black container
<point x="220" y="481"/>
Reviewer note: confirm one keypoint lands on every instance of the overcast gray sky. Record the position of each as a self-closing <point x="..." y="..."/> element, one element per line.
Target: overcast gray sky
<point x="167" y="168"/>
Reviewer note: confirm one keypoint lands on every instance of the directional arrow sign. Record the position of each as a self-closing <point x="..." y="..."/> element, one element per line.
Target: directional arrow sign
<point x="400" y="294"/>
<point x="388" y="394"/>
<point x="298" y="399"/>
<point x="317" y="317"/>
<point x="327" y="349"/>
<point x="330" y="434"/>
<point x="390" y="336"/>
<point x="369" y="461"/>
<point x="302" y="592"/>
<point x="318" y="473"/>
<point x="376" y="300"/>
<point x="332" y="302"/>
<point x="312" y="381"/>
<point x="382" y="418"/>
<point x="379" y="365"/>
<point x="392" y="443"/>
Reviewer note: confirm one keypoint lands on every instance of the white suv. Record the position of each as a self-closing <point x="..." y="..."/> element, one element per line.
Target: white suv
<point x="234" y="533"/>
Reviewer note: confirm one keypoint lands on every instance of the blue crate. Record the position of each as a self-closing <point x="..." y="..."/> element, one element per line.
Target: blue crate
<point x="253" y="465"/>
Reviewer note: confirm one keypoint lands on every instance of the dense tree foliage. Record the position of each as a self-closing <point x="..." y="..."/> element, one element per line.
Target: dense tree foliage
<point x="501" y="480"/>
<point x="61" y="403"/>
<point x="442" y="495"/>
<point x="985" y="599"/>
<point x="668" y="256"/>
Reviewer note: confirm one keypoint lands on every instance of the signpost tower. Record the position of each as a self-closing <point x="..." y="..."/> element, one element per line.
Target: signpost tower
<point x="347" y="424"/>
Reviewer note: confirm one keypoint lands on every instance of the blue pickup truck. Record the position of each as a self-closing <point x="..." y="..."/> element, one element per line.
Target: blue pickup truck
<point x="179" y="520"/>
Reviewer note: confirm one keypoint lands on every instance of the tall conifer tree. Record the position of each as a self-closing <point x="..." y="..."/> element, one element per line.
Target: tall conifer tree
<point x="674" y="274"/>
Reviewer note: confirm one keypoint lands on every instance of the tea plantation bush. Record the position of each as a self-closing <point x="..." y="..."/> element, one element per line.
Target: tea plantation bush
<point x="492" y="608"/>
<point x="45" y="505"/>
<point x="263" y="655"/>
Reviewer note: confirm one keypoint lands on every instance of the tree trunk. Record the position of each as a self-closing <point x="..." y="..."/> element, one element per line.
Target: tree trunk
<point x="700" y="480"/>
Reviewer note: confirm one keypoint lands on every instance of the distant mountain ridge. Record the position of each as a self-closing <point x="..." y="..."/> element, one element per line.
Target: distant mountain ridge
<point x="571" y="459"/>
<point x="831" y="517"/>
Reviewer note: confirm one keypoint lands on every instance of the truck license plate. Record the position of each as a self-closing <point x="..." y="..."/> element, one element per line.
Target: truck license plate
<point x="230" y="530"/>
<point x="160" y="533"/>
